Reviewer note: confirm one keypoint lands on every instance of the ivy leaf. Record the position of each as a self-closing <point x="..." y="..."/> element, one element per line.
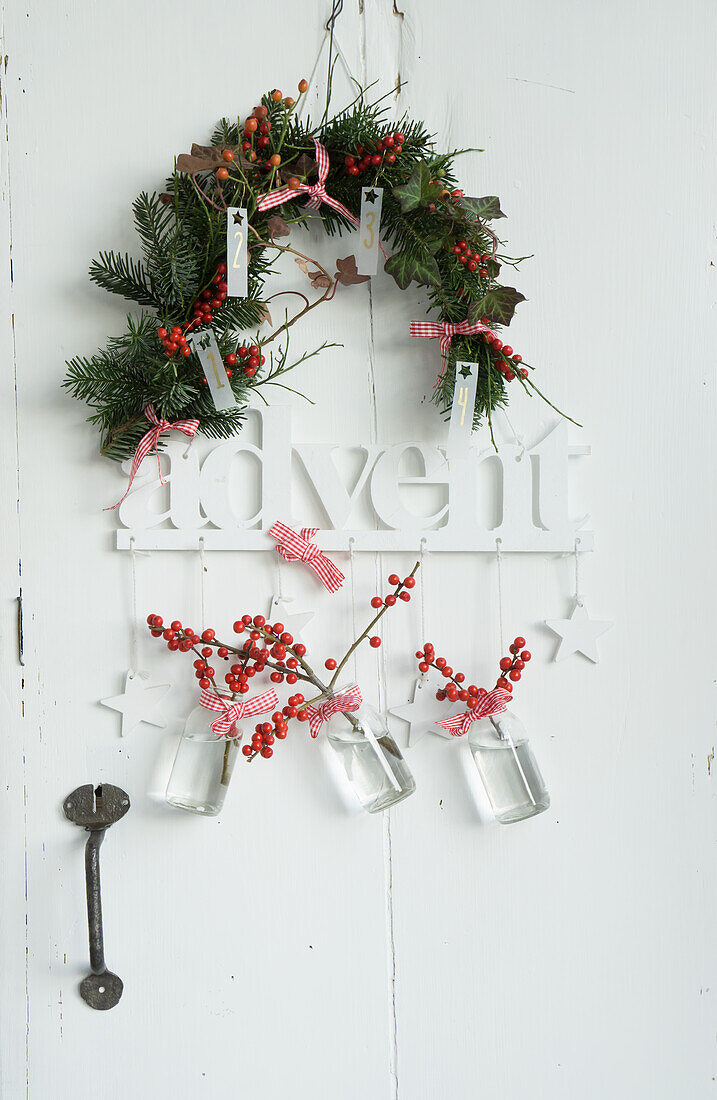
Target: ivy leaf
<point x="497" y="304"/>
<point x="277" y="226"/>
<point x="407" y="269"/>
<point x="486" y="208"/>
<point x="416" y="189"/>
<point x="302" y="264"/>
<point x="348" y="272"/>
<point x="319" y="279"/>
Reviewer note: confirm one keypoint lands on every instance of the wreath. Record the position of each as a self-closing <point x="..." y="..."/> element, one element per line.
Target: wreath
<point x="281" y="170"/>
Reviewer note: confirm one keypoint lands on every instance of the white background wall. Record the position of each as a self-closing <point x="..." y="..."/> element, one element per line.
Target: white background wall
<point x="290" y="948"/>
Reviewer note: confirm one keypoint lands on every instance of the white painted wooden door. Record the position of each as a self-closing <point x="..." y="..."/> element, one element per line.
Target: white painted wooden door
<point x="292" y="948"/>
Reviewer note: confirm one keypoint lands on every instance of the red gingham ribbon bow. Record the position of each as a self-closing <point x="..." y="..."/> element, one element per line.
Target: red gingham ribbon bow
<point x="446" y="330"/>
<point x="316" y="192"/>
<point x="149" y="441"/>
<point x="293" y="547"/>
<point x="234" y="712"/>
<point x="495" y="702"/>
<point x="344" y="702"/>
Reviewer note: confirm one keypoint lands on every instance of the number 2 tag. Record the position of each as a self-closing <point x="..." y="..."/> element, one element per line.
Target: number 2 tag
<point x="237" y="265"/>
<point x="204" y="346"/>
<point x="367" y="251"/>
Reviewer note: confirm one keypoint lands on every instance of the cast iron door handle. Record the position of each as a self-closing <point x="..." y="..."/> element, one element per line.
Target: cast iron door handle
<point x="95" y="809"/>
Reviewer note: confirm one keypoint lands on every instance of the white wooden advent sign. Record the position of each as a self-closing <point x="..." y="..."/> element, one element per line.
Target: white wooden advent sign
<point x="526" y="489"/>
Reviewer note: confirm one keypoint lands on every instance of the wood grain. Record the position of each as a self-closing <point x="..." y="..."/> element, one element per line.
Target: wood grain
<point x="293" y="948"/>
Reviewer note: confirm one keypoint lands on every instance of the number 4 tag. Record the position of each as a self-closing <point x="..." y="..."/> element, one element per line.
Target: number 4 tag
<point x="204" y="346"/>
<point x="367" y="251"/>
<point x="237" y="269"/>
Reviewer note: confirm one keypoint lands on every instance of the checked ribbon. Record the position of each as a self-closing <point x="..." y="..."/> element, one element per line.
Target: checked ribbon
<point x="234" y="712"/>
<point x="446" y="330"/>
<point x="343" y="703"/>
<point x="293" y="547"/>
<point x="495" y="702"/>
<point x="316" y="192"/>
<point x="149" y="442"/>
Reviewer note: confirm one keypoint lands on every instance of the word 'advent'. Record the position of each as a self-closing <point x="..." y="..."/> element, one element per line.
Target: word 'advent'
<point x="456" y="498"/>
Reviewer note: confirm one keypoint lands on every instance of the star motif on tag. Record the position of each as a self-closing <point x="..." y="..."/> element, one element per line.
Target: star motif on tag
<point x="238" y="218"/>
<point x="371" y="196"/>
<point x="425" y="711"/>
<point x="465" y="371"/>
<point x="578" y="634"/>
<point x="295" y="624"/>
<point x="139" y="702"/>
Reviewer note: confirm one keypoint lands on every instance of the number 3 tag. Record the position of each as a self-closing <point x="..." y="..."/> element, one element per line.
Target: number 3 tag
<point x="237" y="266"/>
<point x="204" y="346"/>
<point x="367" y="251"/>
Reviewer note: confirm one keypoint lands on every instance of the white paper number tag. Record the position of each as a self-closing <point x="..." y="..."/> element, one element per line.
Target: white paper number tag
<point x="237" y="269"/>
<point x="367" y="251"/>
<point x="204" y="345"/>
<point x="464" y="399"/>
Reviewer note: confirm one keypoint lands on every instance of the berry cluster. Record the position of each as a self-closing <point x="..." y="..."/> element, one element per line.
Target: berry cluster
<point x="474" y="261"/>
<point x="511" y="669"/>
<point x="256" y="136"/>
<point x="507" y="362"/>
<point x="268" y="646"/>
<point x="250" y="356"/>
<point x="175" y="339"/>
<point x="374" y="154"/>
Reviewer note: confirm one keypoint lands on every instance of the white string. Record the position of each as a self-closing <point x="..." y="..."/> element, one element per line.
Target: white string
<point x="134" y="637"/>
<point x="499" y="560"/>
<point x="422" y="590"/>
<point x="353" y="601"/>
<point x="518" y="438"/>
<point x="578" y="594"/>
<point x="202" y="571"/>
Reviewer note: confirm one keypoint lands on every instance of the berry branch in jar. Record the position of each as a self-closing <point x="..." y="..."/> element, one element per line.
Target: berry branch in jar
<point x="270" y="646"/>
<point x="511" y="669"/>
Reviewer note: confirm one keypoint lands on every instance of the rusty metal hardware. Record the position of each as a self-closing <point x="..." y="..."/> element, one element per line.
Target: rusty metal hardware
<point x="95" y="809"/>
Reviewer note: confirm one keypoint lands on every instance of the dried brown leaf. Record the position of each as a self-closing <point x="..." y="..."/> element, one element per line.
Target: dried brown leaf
<point x="277" y="226"/>
<point x="348" y="272"/>
<point x="302" y="264"/>
<point x="263" y="315"/>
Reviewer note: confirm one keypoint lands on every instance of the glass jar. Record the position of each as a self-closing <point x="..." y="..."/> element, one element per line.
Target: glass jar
<point x="372" y="760"/>
<point x="203" y="765"/>
<point x="509" y="771"/>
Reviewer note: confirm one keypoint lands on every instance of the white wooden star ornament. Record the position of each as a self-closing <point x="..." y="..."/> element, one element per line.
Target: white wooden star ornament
<point x="296" y="624"/>
<point x="425" y="711"/>
<point x="578" y="634"/>
<point x="139" y="702"/>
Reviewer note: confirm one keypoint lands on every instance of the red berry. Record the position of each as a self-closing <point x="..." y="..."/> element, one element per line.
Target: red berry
<point x="423" y="666"/>
<point x="291" y="677"/>
<point x="390" y="601"/>
<point x="204" y="683"/>
<point x="505" y="663"/>
<point x="330" y="663"/>
<point x="266" y="752"/>
<point x="230" y="360"/>
<point x="525" y="655"/>
<point x="393" y="578"/>
<point x="405" y="596"/>
<point x="246" y="749"/>
<point x="377" y="602"/>
<point x="302" y="715"/>
<point x="515" y="674"/>
<point x="520" y="642"/>
<point x="409" y="582"/>
<point x="375" y="641"/>
<point x="208" y="635"/>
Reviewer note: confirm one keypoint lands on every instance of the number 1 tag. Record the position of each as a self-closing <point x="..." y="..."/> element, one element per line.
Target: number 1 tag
<point x="237" y="265"/>
<point x="204" y="346"/>
<point x="367" y="251"/>
<point x="464" y="399"/>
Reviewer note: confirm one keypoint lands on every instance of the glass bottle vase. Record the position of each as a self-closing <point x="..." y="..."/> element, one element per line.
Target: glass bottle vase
<point x="372" y="760"/>
<point x="203" y="765"/>
<point x="508" y="768"/>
